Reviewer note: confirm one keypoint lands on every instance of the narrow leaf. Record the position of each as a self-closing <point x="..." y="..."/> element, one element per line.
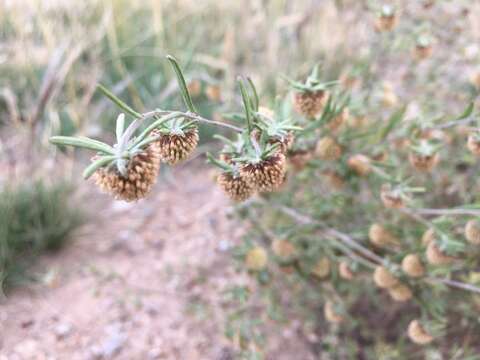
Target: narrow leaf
<point x="255" y="94"/>
<point x="392" y="122"/>
<point x="120" y="126"/>
<point x="246" y="104"/>
<point x="97" y="164"/>
<point x="85" y="143"/>
<point x="467" y="112"/>
<point x="118" y="102"/>
<point x="187" y="99"/>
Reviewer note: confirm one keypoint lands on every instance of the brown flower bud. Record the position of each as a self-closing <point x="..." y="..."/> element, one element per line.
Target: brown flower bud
<point x="412" y="265"/>
<point x="256" y="259"/>
<point x="384" y="278"/>
<point x="472" y="232"/>
<point x="418" y="334"/>
<point x="400" y="293"/>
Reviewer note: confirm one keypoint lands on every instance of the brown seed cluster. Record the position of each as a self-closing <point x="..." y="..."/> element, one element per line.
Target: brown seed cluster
<point x="423" y="163"/>
<point x="175" y="148"/>
<point x="384" y="278"/>
<point x="423" y="52"/>
<point x="385" y="23"/>
<point x="435" y="256"/>
<point x="418" y="334"/>
<point x="310" y="103"/>
<point x="331" y="313"/>
<point x="473" y="144"/>
<point x="391" y="199"/>
<point x="284" y="249"/>
<point x="400" y="293"/>
<point x="256" y="259"/>
<point x="266" y="175"/>
<point x="472" y="232"/>
<point x="142" y="171"/>
<point x="345" y="272"/>
<point x="236" y="187"/>
<point x="380" y="236"/>
<point x="328" y="149"/>
<point x="322" y="268"/>
<point x="360" y="164"/>
<point x="412" y="266"/>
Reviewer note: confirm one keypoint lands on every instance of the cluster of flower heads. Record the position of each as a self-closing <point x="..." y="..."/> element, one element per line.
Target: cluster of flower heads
<point x="323" y="140"/>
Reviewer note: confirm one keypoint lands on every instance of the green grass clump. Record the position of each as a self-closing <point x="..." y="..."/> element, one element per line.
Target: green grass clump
<point x="34" y="218"/>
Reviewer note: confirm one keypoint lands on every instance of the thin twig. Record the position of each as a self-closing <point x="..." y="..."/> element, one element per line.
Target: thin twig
<point x="304" y="219"/>
<point x="473" y="212"/>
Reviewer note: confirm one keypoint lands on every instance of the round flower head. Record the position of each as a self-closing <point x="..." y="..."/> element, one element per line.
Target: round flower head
<point x="310" y="103"/>
<point x="328" y="149"/>
<point x="322" y="268"/>
<point x="331" y="313"/>
<point x="400" y="293"/>
<point x="266" y="175"/>
<point x="345" y="271"/>
<point x="384" y="278"/>
<point x="256" y="259"/>
<point x="360" y="164"/>
<point x="417" y="333"/>
<point x="472" y="232"/>
<point x="141" y="174"/>
<point x="175" y="148"/>
<point x="380" y="236"/>
<point x="435" y="256"/>
<point x="412" y="266"/>
<point x="236" y="187"/>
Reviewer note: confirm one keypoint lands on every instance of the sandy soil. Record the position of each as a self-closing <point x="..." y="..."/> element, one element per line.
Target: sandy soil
<point x="142" y="281"/>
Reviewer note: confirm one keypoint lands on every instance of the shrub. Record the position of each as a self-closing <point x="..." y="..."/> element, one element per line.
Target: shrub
<point x="34" y="218"/>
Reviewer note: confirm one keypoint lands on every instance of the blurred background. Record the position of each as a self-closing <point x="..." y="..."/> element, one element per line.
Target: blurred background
<point x="85" y="277"/>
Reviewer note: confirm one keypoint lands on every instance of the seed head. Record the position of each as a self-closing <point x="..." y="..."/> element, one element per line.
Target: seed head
<point x="284" y="249"/>
<point x="142" y="171"/>
<point x="412" y="266"/>
<point x="175" y="148"/>
<point x="360" y="164"/>
<point x="328" y="149"/>
<point x="400" y="293"/>
<point x="256" y="259"/>
<point x="266" y="175"/>
<point x="423" y="162"/>
<point x="331" y="313"/>
<point x="472" y="232"/>
<point x="310" y="103"/>
<point x="391" y="199"/>
<point x="418" y="334"/>
<point x="322" y="268"/>
<point x="428" y="236"/>
<point x="384" y="278"/>
<point x="236" y="187"/>
<point x="381" y="237"/>
<point x="345" y="271"/>
<point x="435" y="256"/>
<point x="473" y="144"/>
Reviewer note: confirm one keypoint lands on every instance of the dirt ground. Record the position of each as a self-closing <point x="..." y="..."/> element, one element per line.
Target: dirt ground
<point x="141" y="281"/>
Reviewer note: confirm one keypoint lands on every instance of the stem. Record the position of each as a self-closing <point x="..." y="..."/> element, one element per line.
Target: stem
<point x="304" y="219"/>
<point x="473" y="212"/>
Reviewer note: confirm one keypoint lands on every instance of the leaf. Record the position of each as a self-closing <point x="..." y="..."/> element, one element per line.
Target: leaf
<point x="246" y="104"/>
<point x="120" y="126"/>
<point x="97" y="164"/>
<point x="392" y="122"/>
<point x="118" y="102"/>
<point x="82" y="142"/>
<point x="467" y="112"/>
<point x="182" y="84"/>
<point x="255" y="94"/>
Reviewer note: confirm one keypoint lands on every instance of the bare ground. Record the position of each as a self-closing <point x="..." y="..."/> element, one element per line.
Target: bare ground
<point x="141" y="281"/>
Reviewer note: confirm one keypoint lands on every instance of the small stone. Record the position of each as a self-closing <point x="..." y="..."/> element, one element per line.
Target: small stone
<point x="63" y="330"/>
